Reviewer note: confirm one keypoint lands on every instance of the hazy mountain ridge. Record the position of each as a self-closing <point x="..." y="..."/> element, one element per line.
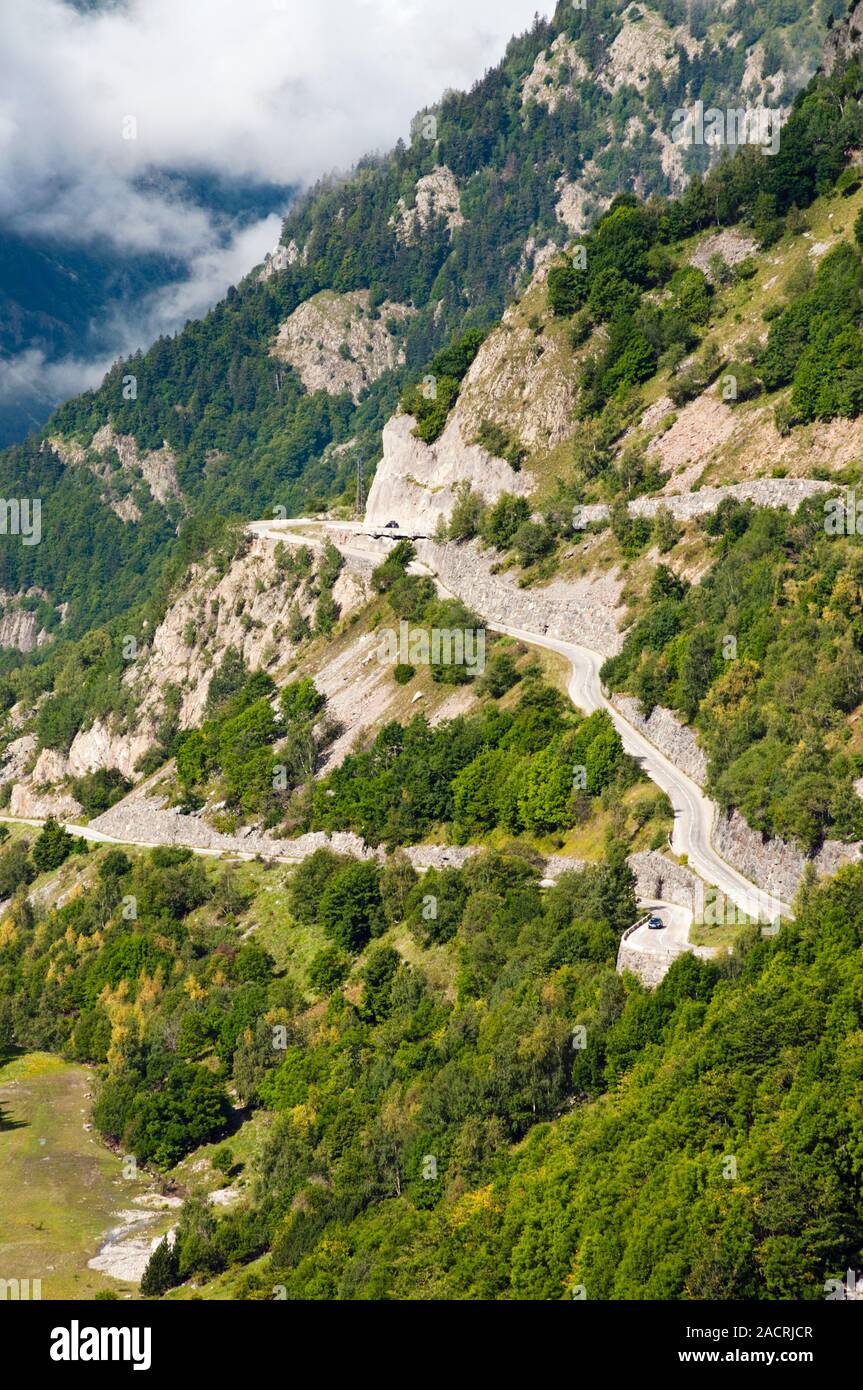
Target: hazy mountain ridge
<point x="248" y="436"/>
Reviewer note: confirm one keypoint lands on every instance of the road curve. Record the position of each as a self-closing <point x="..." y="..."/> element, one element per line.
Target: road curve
<point x="673" y="936"/>
<point x="694" y="813"/>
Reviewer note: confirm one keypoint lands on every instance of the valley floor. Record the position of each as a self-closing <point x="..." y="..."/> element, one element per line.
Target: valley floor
<point x="61" y="1190"/>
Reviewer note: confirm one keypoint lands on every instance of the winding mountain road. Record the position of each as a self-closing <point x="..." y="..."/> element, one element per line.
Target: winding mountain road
<point x="694" y="813"/>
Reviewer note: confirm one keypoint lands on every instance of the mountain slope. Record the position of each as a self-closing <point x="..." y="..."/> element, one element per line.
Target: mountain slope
<point x="442" y="230"/>
<point x="64" y="305"/>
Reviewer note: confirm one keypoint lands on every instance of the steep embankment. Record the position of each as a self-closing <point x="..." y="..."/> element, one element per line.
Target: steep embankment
<point x="285" y="386"/>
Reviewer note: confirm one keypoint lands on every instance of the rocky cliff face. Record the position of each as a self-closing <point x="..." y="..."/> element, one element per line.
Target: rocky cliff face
<point x="248" y="608"/>
<point x="117" y="462"/>
<point x="415" y="483"/>
<point x="525" y="382"/>
<point x="554" y="74"/>
<point x="19" y="625"/>
<point x="844" y="39"/>
<point x="336" y="344"/>
<point x="522" y="382"/>
<point x="436" y="195"/>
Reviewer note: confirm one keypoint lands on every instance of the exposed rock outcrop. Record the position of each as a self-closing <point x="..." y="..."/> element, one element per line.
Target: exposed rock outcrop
<point x="98" y="747"/>
<point x="578" y="202"/>
<point x="436" y="196"/>
<point x="31" y="803"/>
<point x="280" y="259"/>
<point x="415" y="483"/>
<point x="729" y="245"/>
<point x="335" y="344"/>
<point x="554" y="75"/>
<point x="18" y="759"/>
<point x="19" y="625"/>
<point x="843" y="39"/>
<point x="526" y="384"/>
<point x="248" y="608"/>
<point x="156" y="467"/>
<point x="644" y="44"/>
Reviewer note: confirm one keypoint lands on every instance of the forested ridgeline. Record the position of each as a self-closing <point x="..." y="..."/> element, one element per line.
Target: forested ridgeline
<point x="454" y="1095"/>
<point x="246" y="435"/>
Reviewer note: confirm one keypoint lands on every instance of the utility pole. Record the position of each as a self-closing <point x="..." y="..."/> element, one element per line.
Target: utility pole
<point x="361" y="488"/>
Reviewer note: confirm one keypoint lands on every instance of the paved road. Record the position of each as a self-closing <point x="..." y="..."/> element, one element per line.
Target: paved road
<point x="694" y="813"/>
<point x="674" y="935"/>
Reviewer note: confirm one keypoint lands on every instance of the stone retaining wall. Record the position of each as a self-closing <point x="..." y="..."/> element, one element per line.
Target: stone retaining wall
<point x="764" y="492"/>
<point x="776" y="865"/>
<point x="651" y="967"/>
<point x="585" y="611"/>
<point x="659" y="877"/>
<point x="673" y="738"/>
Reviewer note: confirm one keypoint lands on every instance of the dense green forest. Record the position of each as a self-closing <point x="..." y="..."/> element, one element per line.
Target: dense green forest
<point x="773" y="719"/>
<point x="502" y="1117"/>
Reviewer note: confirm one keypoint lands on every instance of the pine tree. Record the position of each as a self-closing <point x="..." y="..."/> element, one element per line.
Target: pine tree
<point x="162" y="1271"/>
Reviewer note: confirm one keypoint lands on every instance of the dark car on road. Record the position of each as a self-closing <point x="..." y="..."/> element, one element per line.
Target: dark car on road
<point x="654" y="923"/>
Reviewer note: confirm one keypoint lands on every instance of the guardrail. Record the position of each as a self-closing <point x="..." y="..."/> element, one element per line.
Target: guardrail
<point x="642" y="922"/>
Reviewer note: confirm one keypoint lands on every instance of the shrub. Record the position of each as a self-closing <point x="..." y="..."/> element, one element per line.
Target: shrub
<point x="328" y="969"/>
<point x="54" y="845"/>
<point x="301" y="700"/>
<point x="503" y="519"/>
<point x="532" y="541"/>
<point x="566" y="288"/>
<point x="501" y="674"/>
<point x="500" y="443"/>
<point x="99" y="790"/>
<point x="162" y="1272"/>
<point x="16" y="868"/>
<point x="309" y="882"/>
<point x="351" y="910"/>
<point x="223" y="1160"/>
<point x="466" y="517"/>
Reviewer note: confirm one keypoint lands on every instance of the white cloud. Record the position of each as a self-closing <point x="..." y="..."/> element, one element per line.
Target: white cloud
<point x="277" y="90"/>
<point x="31" y="382"/>
<point x="282" y="90"/>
